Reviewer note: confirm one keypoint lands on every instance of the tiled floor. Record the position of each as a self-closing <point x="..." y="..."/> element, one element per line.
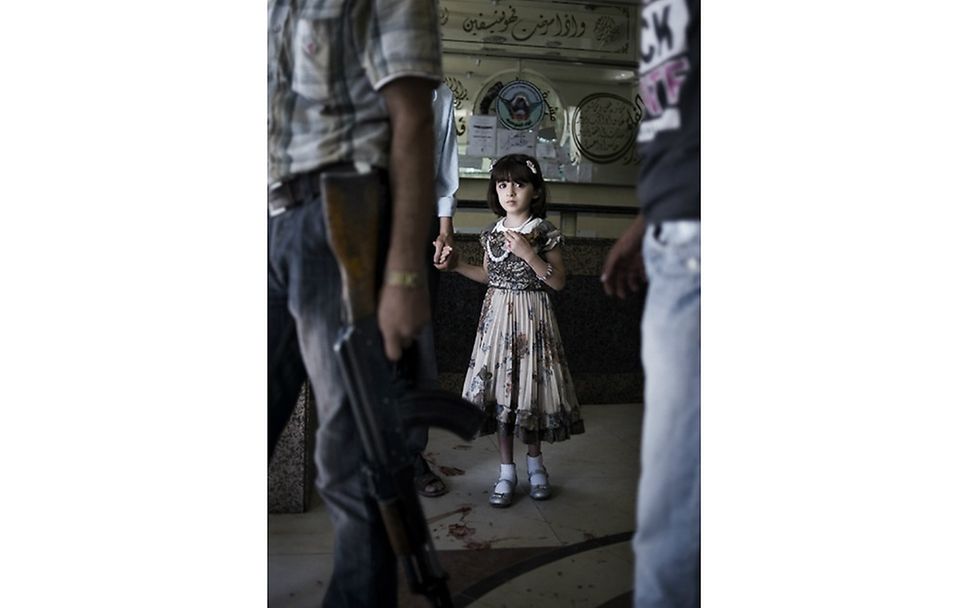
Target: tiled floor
<point x="572" y="550"/>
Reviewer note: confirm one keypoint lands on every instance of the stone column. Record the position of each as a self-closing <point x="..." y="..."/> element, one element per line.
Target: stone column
<point x="290" y="476"/>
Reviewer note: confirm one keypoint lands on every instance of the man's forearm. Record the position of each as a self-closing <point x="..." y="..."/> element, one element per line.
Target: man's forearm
<point x="410" y="170"/>
<point x="446" y="226"/>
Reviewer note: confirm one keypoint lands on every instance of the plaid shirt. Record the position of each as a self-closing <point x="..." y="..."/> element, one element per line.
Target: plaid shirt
<point x="326" y="61"/>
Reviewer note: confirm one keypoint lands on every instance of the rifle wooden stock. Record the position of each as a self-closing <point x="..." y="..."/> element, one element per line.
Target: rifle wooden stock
<point x="357" y="215"/>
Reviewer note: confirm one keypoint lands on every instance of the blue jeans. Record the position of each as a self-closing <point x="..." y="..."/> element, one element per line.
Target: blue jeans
<point x="303" y="305"/>
<point x="667" y="538"/>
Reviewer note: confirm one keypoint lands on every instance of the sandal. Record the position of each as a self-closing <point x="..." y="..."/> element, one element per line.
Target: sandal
<point x="428" y="480"/>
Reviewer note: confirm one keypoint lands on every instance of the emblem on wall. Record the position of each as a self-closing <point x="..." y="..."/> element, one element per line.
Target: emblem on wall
<point x="520" y="105"/>
<point x="603" y="127"/>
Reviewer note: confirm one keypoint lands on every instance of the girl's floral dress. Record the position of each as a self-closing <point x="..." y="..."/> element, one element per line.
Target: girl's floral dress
<point x="517" y="371"/>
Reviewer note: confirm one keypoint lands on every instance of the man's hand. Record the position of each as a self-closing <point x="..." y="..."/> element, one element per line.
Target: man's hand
<point x="448" y="261"/>
<point x="403" y="311"/>
<point x="444" y="241"/>
<point x="624" y="263"/>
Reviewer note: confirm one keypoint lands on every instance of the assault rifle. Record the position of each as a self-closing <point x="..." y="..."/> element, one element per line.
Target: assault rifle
<point x="357" y="212"/>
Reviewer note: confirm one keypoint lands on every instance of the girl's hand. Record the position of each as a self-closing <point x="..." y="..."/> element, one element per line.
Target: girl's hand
<point x="446" y="261"/>
<point x="442" y="246"/>
<point x="518" y="245"/>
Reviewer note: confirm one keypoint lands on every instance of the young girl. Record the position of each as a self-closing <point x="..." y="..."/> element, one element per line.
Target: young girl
<point x="517" y="371"/>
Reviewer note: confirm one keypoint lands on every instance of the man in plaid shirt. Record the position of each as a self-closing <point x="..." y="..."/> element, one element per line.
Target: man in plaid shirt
<point x="347" y="90"/>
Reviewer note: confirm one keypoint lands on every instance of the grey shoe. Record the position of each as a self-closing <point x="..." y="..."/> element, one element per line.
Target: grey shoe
<point x="540" y="489"/>
<point x="500" y="498"/>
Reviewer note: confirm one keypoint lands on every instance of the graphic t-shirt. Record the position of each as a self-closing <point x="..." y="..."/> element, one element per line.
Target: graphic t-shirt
<point x="669" y="134"/>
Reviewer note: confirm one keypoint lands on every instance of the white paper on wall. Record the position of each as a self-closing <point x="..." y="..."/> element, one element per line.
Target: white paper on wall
<point x="550" y="169"/>
<point x="516" y="142"/>
<point x="482" y="137"/>
<point x="546" y="150"/>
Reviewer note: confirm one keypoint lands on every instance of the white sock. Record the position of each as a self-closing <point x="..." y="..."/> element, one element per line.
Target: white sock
<point x="509" y="472"/>
<point x="535" y="463"/>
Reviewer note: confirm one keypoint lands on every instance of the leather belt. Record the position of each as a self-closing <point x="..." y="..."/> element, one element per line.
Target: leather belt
<point x="299" y="189"/>
<point x="292" y="193"/>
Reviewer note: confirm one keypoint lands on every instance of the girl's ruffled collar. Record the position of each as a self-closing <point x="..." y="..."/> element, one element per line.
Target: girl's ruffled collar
<point x="524" y="228"/>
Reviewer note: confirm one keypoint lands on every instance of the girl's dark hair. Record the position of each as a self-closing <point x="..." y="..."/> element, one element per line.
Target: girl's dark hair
<point x="515" y="168"/>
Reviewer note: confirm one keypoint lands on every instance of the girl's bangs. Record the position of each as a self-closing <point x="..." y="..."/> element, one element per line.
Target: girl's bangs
<point x="511" y="170"/>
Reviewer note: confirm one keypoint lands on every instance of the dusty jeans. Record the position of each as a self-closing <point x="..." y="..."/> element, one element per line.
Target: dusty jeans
<point x="667" y="538"/>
